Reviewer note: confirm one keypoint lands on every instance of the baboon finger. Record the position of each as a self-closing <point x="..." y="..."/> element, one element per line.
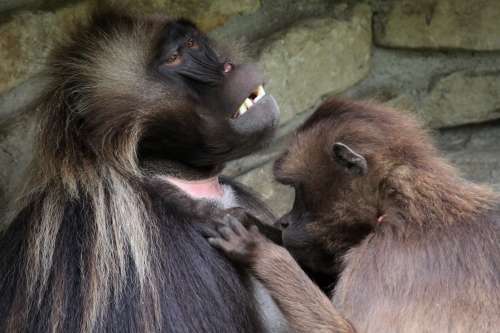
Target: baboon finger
<point x="237" y="212"/>
<point x="218" y="243"/>
<point x="254" y="230"/>
<point x="207" y="231"/>
<point x="226" y="232"/>
<point x="237" y="227"/>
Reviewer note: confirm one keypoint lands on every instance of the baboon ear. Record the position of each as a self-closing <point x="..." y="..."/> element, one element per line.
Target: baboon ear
<point x="349" y="159"/>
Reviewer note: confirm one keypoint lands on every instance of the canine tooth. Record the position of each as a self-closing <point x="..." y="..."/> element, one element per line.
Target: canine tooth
<point x="243" y="109"/>
<point x="260" y="93"/>
<point x="248" y="102"/>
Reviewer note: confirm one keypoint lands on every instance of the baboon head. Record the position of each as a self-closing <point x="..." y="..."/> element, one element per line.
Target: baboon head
<point x="347" y="163"/>
<point x="126" y="89"/>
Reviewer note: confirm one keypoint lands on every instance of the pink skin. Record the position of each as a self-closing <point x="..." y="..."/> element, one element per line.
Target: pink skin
<point x="227" y="67"/>
<point x="206" y="188"/>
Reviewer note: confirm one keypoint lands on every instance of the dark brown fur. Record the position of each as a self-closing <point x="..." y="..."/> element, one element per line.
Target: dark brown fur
<point x="429" y="257"/>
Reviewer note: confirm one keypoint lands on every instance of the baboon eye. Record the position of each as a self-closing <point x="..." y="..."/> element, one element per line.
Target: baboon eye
<point x="173" y="59"/>
<point x="190" y="43"/>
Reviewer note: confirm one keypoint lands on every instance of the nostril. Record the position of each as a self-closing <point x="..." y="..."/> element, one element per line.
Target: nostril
<point x="228" y="67"/>
<point x="283" y="224"/>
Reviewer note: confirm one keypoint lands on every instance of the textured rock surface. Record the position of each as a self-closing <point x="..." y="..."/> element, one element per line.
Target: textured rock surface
<point x="315" y="58"/>
<point x="460" y="24"/>
<point x="15" y="153"/>
<point x="9" y="6"/>
<point x="16" y="133"/>
<point x="21" y="97"/>
<point x="26" y="40"/>
<point x="475" y="150"/>
<point x="277" y="196"/>
<point x="463" y="98"/>
<point x="208" y="14"/>
<point x="444" y="89"/>
<point x="479" y="166"/>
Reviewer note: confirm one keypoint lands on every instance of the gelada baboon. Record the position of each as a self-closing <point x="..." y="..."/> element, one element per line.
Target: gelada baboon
<point x="424" y="251"/>
<point x="136" y="124"/>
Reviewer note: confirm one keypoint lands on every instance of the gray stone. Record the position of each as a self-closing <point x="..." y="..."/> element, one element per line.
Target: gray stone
<point x="463" y="98"/>
<point x="16" y="135"/>
<point x="277" y="15"/>
<point x="474" y="150"/>
<point x="315" y="58"/>
<point x="474" y="137"/>
<point x="208" y="14"/>
<point x="458" y="24"/>
<point x="478" y="166"/>
<point x="397" y="72"/>
<point x="21" y="97"/>
<point x="9" y="6"/>
<point x="277" y="196"/>
<point x="402" y="102"/>
<point x="16" y="144"/>
<point x="424" y="82"/>
<point x="259" y="158"/>
<point x="25" y="42"/>
<point x="249" y="163"/>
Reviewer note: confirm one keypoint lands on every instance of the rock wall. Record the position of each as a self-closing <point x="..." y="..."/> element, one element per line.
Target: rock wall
<point x="437" y="58"/>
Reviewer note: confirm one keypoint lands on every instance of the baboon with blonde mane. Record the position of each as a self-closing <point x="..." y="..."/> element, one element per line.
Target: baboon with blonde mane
<point x="135" y="126"/>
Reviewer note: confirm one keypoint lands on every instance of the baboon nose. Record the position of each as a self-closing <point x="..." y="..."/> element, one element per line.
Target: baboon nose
<point x="282" y="224"/>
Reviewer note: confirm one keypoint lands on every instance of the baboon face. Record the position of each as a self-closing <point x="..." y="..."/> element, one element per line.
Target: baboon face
<point x="158" y="89"/>
<point x="324" y="220"/>
<point x="331" y="168"/>
<point x="221" y="110"/>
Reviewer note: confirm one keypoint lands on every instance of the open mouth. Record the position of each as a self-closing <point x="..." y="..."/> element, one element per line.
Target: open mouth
<point x="252" y="99"/>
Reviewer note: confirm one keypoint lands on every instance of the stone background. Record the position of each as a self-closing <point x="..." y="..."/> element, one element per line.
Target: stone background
<point x="438" y="58"/>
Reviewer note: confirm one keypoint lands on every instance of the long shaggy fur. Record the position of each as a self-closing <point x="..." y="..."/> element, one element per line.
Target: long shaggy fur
<point x="95" y="244"/>
<point x="69" y="165"/>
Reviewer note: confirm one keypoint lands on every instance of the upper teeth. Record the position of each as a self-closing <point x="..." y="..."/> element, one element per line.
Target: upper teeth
<point x="248" y="103"/>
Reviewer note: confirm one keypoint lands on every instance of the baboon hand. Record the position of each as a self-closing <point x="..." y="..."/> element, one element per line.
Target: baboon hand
<point x="216" y="218"/>
<point x="238" y="243"/>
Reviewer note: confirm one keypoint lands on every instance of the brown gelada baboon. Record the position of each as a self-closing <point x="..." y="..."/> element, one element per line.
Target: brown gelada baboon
<point x="138" y="119"/>
<point x="418" y="246"/>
